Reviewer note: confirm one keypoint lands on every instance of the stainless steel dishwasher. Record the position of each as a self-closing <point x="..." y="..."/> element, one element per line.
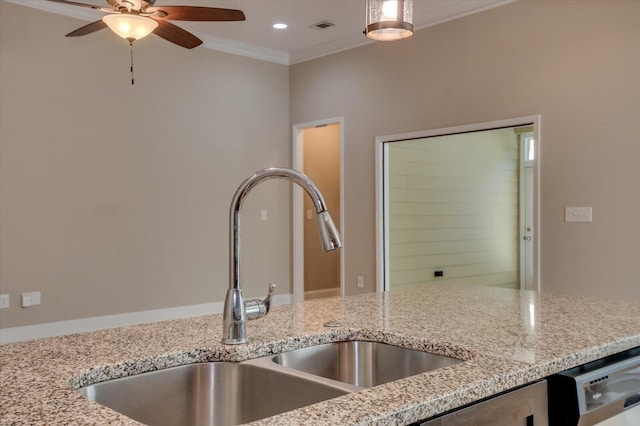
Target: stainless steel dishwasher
<point x="602" y="392"/>
<point x="525" y="406"/>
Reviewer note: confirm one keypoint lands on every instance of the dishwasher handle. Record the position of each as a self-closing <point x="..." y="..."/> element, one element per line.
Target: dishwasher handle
<point x="632" y="401"/>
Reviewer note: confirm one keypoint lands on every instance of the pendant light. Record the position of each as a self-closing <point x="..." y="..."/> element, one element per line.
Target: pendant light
<point x="388" y="20"/>
<point x="130" y="26"/>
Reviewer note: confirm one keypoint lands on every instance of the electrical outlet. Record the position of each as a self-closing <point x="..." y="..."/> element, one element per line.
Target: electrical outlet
<point x="577" y="214"/>
<point x="4" y="301"/>
<point x="360" y="281"/>
<point x="30" y="299"/>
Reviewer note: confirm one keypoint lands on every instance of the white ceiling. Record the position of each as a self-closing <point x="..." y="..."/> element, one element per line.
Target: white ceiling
<point x="256" y="37"/>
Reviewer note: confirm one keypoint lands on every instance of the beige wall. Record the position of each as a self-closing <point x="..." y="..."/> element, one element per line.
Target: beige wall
<point x="321" y="152"/>
<point x="574" y="62"/>
<point x="453" y="207"/>
<point x="115" y="198"/>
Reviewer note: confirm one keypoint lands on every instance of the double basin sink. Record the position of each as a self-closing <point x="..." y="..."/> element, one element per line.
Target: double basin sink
<point x="232" y="393"/>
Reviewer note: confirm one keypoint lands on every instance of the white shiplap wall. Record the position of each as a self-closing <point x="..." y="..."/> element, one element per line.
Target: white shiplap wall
<point x="453" y="206"/>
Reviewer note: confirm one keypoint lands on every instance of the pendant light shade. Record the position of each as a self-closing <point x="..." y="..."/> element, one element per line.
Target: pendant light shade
<point x="129" y="26"/>
<point x="389" y="19"/>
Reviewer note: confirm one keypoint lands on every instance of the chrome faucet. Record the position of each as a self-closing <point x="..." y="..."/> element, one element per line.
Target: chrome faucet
<point x="236" y="310"/>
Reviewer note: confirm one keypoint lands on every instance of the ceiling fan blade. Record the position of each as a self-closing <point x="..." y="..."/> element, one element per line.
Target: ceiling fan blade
<point x="195" y="13"/>
<point x="73" y="3"/>
<point x="88" y="29"/>
<point x="176" y="35"/>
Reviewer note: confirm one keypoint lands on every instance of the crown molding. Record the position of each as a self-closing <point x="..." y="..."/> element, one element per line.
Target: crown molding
<point x="209" y="42"/>
<point x="243" y="49"/>
<point x="450" y="11"/>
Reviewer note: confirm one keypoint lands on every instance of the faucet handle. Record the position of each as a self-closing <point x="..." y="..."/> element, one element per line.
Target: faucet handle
<point x="271" y="290"/>
<point x="256" y="308"/>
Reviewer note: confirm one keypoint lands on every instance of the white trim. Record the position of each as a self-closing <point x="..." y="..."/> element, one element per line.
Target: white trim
<point x="382" y="275"/>
<point x="329" y="48"/>
<point x="381" y="279"/>
<point x="85" y="14"/>
<point x="325" y="292"/>
<point x="243" y="49"/>
<point x="208" y="41"/>
<point x="298" y="223"/>
<point x="537" y="136"/>
<point x="357" y="40"/>
<point x="60" y="328"/>
<point x="523" y="166"/>
<point x="252" y="50"/>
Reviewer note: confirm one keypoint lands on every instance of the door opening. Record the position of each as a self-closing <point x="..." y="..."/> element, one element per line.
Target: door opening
<point x="459" y="204"/>
<point x="317" y="152"/>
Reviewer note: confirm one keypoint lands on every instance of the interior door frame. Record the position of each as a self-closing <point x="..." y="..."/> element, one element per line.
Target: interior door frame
<point x="298" y="209"/>
<point x="382" y="237"/>
<point x="525" y="166"/>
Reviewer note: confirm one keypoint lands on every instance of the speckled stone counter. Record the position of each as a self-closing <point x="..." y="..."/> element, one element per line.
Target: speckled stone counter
<point x="507" y="338"/>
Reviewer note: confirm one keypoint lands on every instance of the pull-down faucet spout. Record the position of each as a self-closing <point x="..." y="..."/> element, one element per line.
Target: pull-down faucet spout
<point x="236" y="310"/>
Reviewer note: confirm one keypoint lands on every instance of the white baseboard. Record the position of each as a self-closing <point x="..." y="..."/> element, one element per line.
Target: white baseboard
<point x="60" y="328"/>
<point x="325" y="292"/>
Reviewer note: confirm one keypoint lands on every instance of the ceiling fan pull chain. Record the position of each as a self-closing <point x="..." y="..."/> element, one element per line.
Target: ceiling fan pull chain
<point x="131" y="49"/>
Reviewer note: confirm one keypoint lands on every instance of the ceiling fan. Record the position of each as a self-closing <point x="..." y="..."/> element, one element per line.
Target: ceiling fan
<point x="135" y="19"/>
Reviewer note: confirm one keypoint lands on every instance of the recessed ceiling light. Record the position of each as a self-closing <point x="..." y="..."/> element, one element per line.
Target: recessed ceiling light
<point x="279" y="26"/>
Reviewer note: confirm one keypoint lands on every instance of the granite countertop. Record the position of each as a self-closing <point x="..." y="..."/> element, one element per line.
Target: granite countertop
<point x="506" y="337"/>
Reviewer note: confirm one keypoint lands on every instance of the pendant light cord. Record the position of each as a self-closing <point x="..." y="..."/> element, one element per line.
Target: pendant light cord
<point x="131" y="49"/>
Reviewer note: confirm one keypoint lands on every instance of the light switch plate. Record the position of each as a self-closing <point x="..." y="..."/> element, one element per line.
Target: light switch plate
<point x="30" y="299"/>
<point x="577" y="214"/>
<point x="4" y="301"/>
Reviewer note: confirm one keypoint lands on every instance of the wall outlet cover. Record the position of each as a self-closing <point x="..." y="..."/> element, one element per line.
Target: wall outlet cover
<point x="30" y="299"/>
<point x="577" y="214"/>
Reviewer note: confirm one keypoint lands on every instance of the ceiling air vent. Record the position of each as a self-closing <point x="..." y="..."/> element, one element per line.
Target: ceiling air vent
<point x="322" y="25"/>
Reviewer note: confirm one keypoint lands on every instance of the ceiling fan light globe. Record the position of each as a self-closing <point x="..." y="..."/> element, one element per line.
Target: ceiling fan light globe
<point x="130" y="26"/>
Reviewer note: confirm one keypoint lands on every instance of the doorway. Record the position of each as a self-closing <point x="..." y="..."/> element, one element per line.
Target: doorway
<point x="318" y="153"/>
<point x="459" y="204"/>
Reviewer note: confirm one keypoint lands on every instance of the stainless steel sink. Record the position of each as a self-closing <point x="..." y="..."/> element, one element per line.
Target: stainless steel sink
<point x="216" y="393"/>
<point x="232" y="393"/>
<point x="360" y="363"/>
